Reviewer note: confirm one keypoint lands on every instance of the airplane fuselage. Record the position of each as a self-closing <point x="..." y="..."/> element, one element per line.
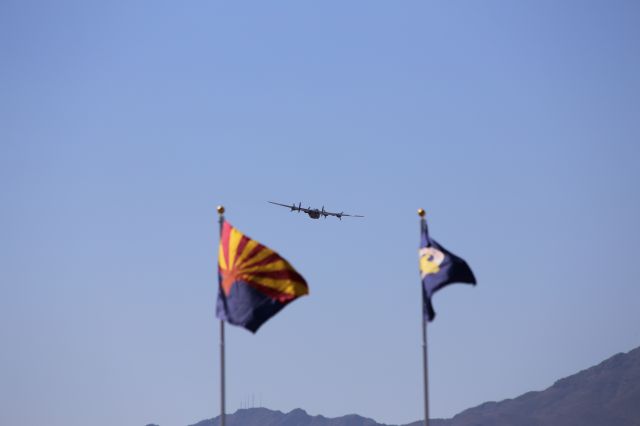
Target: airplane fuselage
<point x="314" y="214"/>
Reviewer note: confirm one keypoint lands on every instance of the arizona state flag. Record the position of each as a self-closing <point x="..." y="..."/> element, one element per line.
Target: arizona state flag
<point x="255" y="282"/>
<point x="438" y="268"/>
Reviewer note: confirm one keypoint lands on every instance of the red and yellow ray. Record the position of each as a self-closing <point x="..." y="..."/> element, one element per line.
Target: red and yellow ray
<point x="242" y="259"/>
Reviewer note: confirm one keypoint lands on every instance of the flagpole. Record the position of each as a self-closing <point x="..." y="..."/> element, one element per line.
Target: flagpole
<point x="425" y="360"/>
<point x="425" y="367"/>
<point x="222" y="384"/>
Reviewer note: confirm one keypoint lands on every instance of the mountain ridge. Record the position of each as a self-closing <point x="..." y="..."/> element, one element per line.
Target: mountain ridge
<point x="602" y="395"/>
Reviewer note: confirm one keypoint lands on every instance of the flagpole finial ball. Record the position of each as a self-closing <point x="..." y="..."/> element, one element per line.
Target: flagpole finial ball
<point x="421" y="212"/>
<point x="220" y="209"/>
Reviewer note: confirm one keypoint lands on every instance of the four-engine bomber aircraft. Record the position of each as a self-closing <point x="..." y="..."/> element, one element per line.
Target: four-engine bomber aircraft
<point x="315" y="213"/>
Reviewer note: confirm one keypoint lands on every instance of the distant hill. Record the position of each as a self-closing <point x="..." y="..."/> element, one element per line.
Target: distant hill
<point x="605" y="395"/>
<point x="297" y="417"/>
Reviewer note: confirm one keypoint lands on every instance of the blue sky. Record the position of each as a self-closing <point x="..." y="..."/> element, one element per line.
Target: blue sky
<point x="516" y="125"/>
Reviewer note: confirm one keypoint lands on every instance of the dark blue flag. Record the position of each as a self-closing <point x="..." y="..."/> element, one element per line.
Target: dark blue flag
<point x="438" y="268"/>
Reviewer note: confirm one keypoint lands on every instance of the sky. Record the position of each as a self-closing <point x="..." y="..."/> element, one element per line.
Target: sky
<point x="515" y="125"/>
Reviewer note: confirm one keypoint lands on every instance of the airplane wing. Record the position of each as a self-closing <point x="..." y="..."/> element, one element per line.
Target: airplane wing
<point x="293" y="207"/>
<point x="278" y="204"/>
<point x="339" y="215"/>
